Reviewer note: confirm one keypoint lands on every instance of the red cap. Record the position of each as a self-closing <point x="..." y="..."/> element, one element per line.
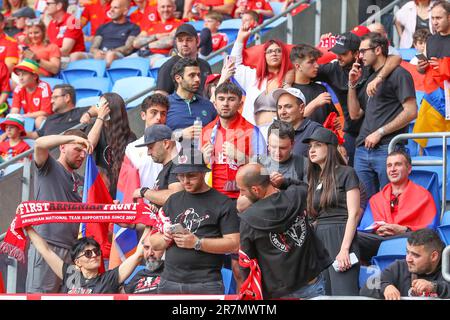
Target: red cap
<point x="360" y="30"/>
<point x="211" y="78"/>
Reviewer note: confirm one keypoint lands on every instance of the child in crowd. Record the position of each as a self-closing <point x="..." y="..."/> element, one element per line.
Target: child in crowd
<point x="14" y="145"/>
<point x="261" y="7"/>
<point x="213" y="20"/>
<point x="32" y="94"/>
<point x="419" y="42"/>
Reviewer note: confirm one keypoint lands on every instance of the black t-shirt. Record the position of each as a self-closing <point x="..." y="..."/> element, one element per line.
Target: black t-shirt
<point x="438" y="46"/>
<point x="386" y="104"/>
<point x="165" y="82"/>
<point x="337" y="78"/>
<point x="75" y="283"/>
<point x="311" y="91"/>
<point x="60" y="122"/>
<point x="166" y="177"/>
<point x="207" y="215"/>
<point x="115" y="35"/>
<point x="144" y="282"/>
<point x="346" y="180"/>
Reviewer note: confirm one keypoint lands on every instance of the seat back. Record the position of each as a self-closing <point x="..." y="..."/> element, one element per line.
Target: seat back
<point x="52" y="81"/>
<point x="389" y="251"/>
<point x="89" y="87"/>
<point x="228" y="281"/>
<point x="128" y="67"/>
<point x="87" y="102"/>
<point x="444" y="228"/>
<point x="83" y="69"/>
<point x="129" y="87"/>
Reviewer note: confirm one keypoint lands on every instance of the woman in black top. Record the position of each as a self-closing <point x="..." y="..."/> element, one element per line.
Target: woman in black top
<point x="83" y="276"/>
<point x="334" y="202"/>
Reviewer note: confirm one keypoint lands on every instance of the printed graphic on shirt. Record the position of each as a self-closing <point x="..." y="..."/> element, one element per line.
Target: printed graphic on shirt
<point x="191" y="220"/>
<point x="147" y="284"/>
<point x="294" y="236"/>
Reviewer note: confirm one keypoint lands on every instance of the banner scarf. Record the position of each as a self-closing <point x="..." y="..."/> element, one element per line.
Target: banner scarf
<point x="251" y="288"/>
<point x="33" y="213"/>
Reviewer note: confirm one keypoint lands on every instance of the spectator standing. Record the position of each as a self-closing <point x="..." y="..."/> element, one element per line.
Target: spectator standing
<point x="13" y="126"/>
<point x="186" y="43"/>
<point x="56" y="180"/>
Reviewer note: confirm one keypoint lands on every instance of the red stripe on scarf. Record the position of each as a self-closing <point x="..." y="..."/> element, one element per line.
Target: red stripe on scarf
<point x="251" y="289"/>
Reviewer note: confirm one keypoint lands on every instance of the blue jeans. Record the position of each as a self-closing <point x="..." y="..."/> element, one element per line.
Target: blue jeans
<point x="370" y="166"/>
<point x="310" y="291"/>
<point x="171" y="287"/>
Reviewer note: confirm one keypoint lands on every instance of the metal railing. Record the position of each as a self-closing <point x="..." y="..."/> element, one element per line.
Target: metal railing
<point x="443" y="162"/>
<point x="446" y="264"/>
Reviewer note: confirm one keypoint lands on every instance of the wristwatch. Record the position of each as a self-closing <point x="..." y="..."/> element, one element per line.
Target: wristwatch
<point x="143" y="191"/>
<point x="198" y="244"/>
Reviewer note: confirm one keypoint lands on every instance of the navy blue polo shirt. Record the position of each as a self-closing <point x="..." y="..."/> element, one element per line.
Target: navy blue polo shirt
<point x="182" y="113"/>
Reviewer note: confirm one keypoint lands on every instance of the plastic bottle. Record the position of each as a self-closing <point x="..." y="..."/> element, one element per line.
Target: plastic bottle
<point x="197" y="123"/>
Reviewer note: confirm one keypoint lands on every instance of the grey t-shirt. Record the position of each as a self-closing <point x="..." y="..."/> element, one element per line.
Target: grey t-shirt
<point x="54" y="183"/>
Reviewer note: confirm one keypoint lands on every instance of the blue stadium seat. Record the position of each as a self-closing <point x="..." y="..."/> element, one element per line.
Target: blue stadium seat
<point x="434" y="147"/>
<point x="419" y="97"/>
<point x="276" y="7"/>
<point x="87" y="102"/>
<point x="30" y="142"/>
<point x="52" y="81"/>
<point x="228" y="281"/>
<point x="389" y="251"/>
<point x="136" y="270"/>
<point x="129" y="87"/>
<point x="216" y="59"/>
<point x="407" y="54"/>
<point x="87" y="29"/>
<point x="231" y="28"/>
<point x="153" y="72"/>
<point x="198" y="25"/>
<point x="84" y="69"/>
<point x="91" y="86"/>
<point x="444" y="228"/>
<point x="29" y="124"/>
<point x="128" y="67"/>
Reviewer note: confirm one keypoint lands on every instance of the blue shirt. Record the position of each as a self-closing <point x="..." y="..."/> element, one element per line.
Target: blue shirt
<point x="182" y="113"/>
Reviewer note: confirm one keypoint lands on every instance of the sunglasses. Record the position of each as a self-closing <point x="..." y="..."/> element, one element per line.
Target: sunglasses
<point x="32" y="22"/>
<point x="89" y="253"/>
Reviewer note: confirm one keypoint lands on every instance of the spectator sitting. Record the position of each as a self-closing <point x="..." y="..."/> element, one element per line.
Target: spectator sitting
<point x="83" y="277"/>
<point x="411" y="17"/>
<point x="291" y="106"/>
<point x="401" y="206"/>
<point x="156" y="38"/>
<point x="420" y="38"/>
<point x="185" y="104"/>
<point x="64" y="30"/>
<point x="13" y="127"/>
<point x="318" y="101"/>
<point x="21" y="17"/>
<point x="46" y="54"/>
<point x="197" y="9"/>
<point x="10" y="53"/>
<point x="419" y="275"/>
<point x="219" y="39"/>
<point x="146" y="12"/>
<point x="96" y="13"/>
<point x="10" y="7"/>
<point x="114" y="39"/>
<point x="32" y="95"/>
<point x="250" y="18"/>
<point x="284" y="167"/>
<point x="5" y="88"/>
<point x="146" y="281"/>
<point x="261" y="7"/>
<point x="186" y="42"/>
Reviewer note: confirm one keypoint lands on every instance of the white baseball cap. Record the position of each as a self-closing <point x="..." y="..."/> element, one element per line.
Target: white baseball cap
<point x="292" y="91"/>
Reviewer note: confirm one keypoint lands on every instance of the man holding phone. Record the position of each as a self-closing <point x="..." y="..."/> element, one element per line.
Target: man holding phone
<point x="209" y="229"/>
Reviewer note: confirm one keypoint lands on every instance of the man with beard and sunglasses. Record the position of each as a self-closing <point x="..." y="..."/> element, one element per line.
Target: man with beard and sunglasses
<point x="56" y="180"/>
<point x="146" y="280"/>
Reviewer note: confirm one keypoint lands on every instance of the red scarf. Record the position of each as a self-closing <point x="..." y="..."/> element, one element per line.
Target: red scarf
<point x="33" y="213"/>
<point x="416" y="207"/>
<point x="251" y="288"/>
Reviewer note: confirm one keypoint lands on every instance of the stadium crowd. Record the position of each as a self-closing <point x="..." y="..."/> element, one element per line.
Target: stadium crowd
<point x="266" y="167"/>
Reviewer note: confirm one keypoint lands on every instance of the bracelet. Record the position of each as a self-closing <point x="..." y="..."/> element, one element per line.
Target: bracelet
<point x="100" y="119"/>
<point x="352" y="86"/>
<point x="143" y="191"/>
<point x="90" y="115"/>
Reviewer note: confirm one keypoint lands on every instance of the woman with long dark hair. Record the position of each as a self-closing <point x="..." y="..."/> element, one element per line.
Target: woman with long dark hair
<point x="110" y="135"/>
<point x="334" y="203"/>
<point x="271" y="68"/>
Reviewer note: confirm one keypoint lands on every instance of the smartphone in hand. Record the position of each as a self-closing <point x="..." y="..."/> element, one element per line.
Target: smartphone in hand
<point x="177" y="228"/>
<point x="421" y="56"/>
<point x="353" y="260"/>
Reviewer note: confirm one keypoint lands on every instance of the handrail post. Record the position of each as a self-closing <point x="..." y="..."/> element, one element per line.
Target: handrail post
<point x="26" y="179"/>
<point x="343" y="16"/>
<point x="318" y="21"/>
<point x="290" y="28"/>
<point x="11" y="282"/>
<point x="446" y="264"/>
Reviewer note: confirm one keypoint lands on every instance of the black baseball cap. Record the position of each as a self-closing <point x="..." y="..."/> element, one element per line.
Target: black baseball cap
<point x="25" y="12"/>
<point x="154" y="133"/>
<point x="189" y="160"/>
<point x="346" y="42"/>
<point x="322" y="135"/>
<point x="186" y="28"/>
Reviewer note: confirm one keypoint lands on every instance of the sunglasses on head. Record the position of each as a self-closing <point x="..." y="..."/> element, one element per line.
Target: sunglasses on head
<point x="89" y="253"/>
<point x="32" y="22"/>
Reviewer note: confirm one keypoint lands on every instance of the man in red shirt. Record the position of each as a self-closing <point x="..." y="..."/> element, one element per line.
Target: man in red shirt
<point x="9" y="51"/>
<point x="32" y="94"/>
<point x="64" y="30"/>
<point x="158" y="37"/>
<point x="96" y="13"/>
<point x="145" y="13"/>
<point x="261" y="7"/>
<point x="197" y="9"/>
<point x="5" y="88"/>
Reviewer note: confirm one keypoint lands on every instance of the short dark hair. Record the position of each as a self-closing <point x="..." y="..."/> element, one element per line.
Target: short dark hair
<point x="401" y="153"/>
<point x="303" y="51"/>
<point x="65" y="3"/>
<point x="178" y="68"/>
<point x="67" y="89"/>
<point x="229" y="87"/>
<point x="377" y="40"/>
<point x="80" y="245"/>
<point x="155" y="99"/>
<point x="281" y="129"/>
<point x="428" y="238"/>
<point x="75" y="132"/>
<point x="421" y="35"/>
<point x="442" y="3"/>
